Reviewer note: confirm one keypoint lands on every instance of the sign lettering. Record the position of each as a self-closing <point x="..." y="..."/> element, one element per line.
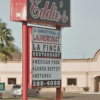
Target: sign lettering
<point x="53" y="11"/>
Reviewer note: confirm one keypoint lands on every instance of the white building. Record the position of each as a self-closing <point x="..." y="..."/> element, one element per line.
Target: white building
<point x="79" y="73"/>
<point x="11" y="72"/>
<point x="76" y="73"/>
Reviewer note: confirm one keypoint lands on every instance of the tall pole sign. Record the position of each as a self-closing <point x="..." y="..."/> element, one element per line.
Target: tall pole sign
<point x="44" y="45"/>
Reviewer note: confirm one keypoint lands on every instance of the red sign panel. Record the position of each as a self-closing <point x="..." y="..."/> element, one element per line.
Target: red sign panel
<point x="18" y="10"/>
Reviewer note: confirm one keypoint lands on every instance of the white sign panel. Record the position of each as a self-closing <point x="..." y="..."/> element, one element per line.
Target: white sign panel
<point x="46" y="55"/>
<point x="46" y="69"/>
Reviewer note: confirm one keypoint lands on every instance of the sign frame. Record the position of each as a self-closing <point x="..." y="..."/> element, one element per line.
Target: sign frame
<point x="30" y="58"/>
<point x="49" y="22"/>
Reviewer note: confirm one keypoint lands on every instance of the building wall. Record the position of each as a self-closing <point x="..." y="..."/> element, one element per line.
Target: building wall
<point x="10" y="70"/>
<point x="84" y="70"/>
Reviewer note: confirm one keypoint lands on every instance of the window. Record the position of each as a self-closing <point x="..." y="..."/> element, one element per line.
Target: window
<point x="16" y="86"/>
<point x="71" y="81"/>
<point x="11" y="81"/>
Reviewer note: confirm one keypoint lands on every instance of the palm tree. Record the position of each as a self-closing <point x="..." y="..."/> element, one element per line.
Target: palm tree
<point x="7" y="48"/>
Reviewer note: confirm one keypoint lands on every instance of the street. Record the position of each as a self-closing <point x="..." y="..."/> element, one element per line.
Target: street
<point x="66" y="96"/>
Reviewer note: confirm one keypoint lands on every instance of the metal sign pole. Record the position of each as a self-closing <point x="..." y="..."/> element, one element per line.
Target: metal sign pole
<point x="24" y="60"/>
<point x="58" y="90"/>
<point x="29" y="57"/>
<point x="58" y="93"/>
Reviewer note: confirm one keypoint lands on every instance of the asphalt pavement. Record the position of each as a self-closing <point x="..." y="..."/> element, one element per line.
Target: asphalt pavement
<point x="66" y="96"/>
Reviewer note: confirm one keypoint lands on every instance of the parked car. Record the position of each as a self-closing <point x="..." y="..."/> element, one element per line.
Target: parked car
<point x="17" y="91"/>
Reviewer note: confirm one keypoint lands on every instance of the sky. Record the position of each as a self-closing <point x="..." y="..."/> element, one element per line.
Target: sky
<point x="81" y="40"/>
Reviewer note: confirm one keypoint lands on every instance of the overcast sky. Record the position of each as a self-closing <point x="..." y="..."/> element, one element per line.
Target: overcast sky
<point x="81" y="40"/>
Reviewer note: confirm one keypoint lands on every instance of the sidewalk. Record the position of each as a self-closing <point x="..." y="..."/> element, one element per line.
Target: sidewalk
<point x="90" y="93"/>
<point x="4" y="91"/>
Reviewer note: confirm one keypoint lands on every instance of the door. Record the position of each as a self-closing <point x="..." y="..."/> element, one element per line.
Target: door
<point x="99" y="86"/>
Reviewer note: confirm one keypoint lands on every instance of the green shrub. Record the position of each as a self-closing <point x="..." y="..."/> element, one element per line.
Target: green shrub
<point x="86" y="89"/>
<point x="39" y="89"/>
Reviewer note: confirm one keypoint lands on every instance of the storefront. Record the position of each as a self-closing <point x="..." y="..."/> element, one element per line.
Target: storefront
<point x="76" y="73"/>
<point x="11" y="72"/>
<point x="79" y="73"/>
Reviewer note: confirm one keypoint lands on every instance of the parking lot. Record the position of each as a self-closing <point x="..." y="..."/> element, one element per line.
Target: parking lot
<point x="77" y="96"/>
<point x="66" y="96"/>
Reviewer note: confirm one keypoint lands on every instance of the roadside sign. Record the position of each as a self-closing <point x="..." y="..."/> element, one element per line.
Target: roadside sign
<point x="46" y="57"/>
<point x="2" y="86"/>
<point x="43" y="45"/>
